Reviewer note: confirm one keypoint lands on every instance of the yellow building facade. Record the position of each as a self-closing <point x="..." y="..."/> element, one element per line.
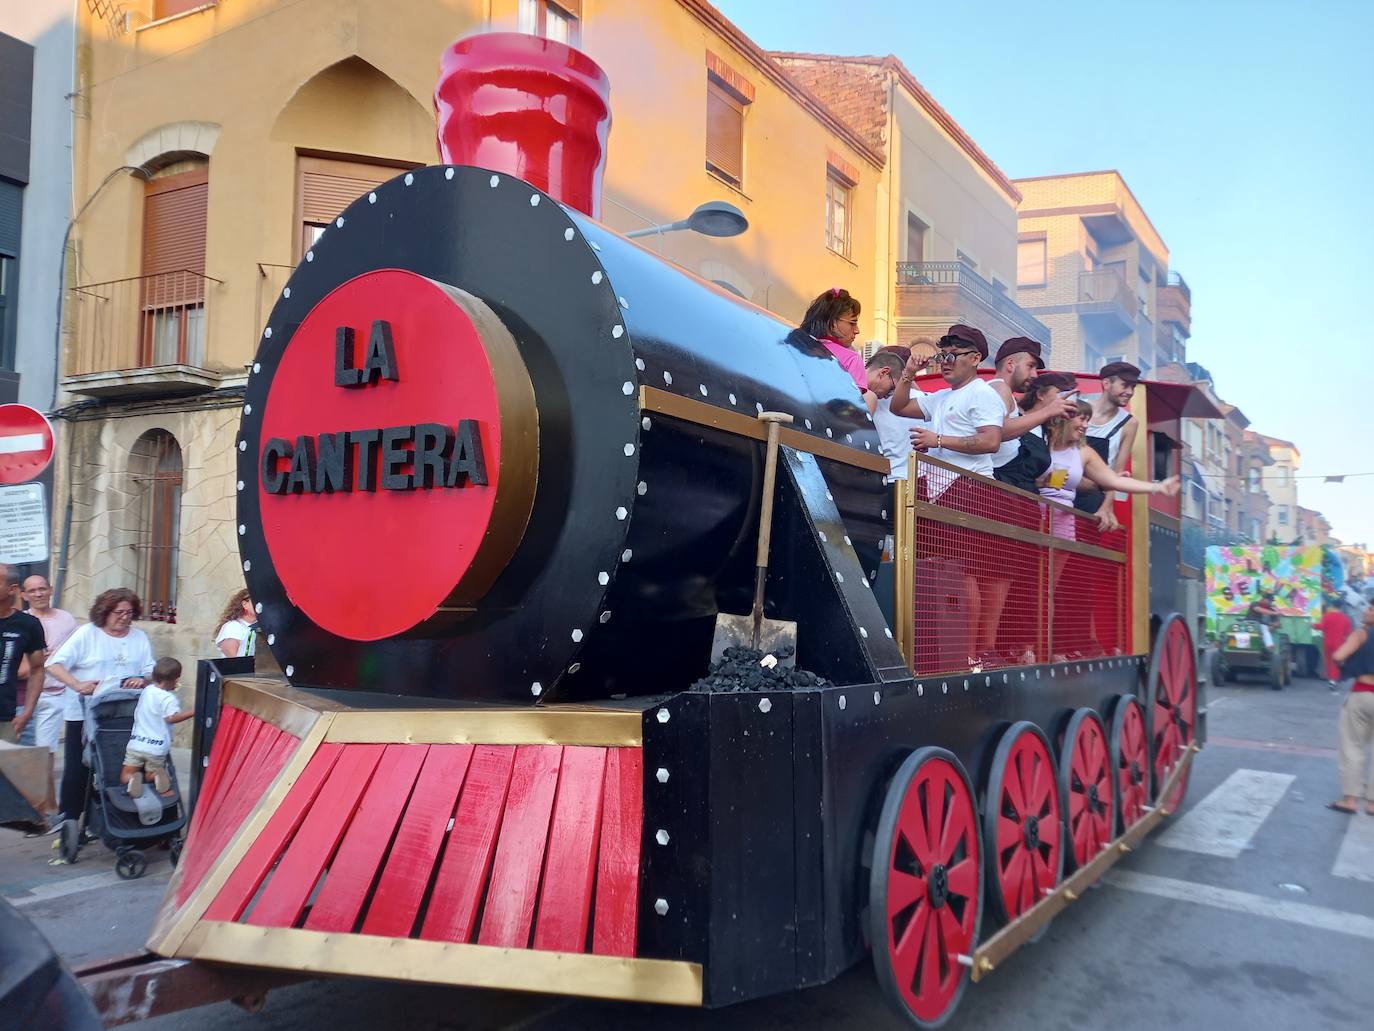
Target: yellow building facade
<point x="213" y="141"/>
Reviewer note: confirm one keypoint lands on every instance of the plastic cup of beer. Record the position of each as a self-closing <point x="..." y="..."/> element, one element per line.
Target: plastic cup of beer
<point x="1059" y="475"/>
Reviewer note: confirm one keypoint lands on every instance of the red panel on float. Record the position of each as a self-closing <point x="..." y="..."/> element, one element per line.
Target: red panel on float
<point x="570" y="867"/>
<point x="282" y="901"/>
<point x="462" y="879"/>
<point x="248" y="876"/>
<point x="399" y="893"/>
<point x="249" y="760"/>
<point x="520" y="852"/>
<point x="617" y="880"/>
<point x="358" y="859"/>
<point x="308" y="531"/>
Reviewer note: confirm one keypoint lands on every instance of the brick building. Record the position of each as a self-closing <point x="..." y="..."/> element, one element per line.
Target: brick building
<point x="1280" y="483"/>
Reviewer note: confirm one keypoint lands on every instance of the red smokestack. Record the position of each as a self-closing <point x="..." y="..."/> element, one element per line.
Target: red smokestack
<point x="527" y="106"/>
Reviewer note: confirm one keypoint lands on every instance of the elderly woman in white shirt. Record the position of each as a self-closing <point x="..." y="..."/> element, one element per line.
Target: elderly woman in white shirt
<point x="107" y="653"/>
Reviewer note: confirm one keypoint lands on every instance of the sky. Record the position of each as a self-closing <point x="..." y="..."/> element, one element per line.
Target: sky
<point x="1245" y="130"/>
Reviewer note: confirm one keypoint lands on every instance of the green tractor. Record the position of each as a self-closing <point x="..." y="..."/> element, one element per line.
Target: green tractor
<point x="1241" y="649"/>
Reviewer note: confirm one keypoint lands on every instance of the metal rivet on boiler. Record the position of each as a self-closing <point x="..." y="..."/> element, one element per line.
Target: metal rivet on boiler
<point x="661" y="907"/>
<point x="662" y="775"/>
<point x="765" y="705"/>
<point x="661" y="836"/>
<point x="662" y="716"/>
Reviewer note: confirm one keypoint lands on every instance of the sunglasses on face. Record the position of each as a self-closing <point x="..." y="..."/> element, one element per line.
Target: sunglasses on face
<point x="949" y="356"/>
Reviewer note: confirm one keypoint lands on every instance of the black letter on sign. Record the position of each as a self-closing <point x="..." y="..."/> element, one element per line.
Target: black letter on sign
<point x="433" y="446"/>
<point x="302" y="477"/>
<point x="273" y="479"/>
<point x="381" y="354"/>
<point x="467" y="457"/>
<point x="335" y="468"/>
<point x="367" y="456"/>
<point x="394" y="456"/>
<point x="344" y="373"/>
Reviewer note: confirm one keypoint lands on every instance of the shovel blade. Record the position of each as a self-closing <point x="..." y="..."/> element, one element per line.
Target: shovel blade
<point x="738" y="632"/>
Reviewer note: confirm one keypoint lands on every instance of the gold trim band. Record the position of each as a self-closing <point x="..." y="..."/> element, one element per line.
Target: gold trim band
<point x="653" y="399"/>
<point x="532" y="726"/>
<point x="429" y="962"/>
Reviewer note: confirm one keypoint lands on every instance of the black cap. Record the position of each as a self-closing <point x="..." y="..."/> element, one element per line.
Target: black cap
<point x="1121" y="370"/>
<point x="968" y="335"/>
<point x="1020" y="345"/>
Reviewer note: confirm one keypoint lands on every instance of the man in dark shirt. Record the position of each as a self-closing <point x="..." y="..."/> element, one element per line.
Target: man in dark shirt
<point x="1263" y="612"/>
<point x="21" y="636"/>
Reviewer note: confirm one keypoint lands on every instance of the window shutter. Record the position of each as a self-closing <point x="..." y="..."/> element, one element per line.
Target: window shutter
<point x="325" y="194"/>
<point x="174" y="239"/>
<point x="724" y="133"/>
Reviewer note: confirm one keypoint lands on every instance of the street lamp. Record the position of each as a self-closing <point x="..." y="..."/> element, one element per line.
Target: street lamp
<point x="714" y="218"/>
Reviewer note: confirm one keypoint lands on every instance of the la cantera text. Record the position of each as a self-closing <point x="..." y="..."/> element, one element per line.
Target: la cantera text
<point x="420" y="455"/>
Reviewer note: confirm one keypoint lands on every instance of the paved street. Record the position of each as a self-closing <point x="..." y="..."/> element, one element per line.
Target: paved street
<point x="1253" y="908"/>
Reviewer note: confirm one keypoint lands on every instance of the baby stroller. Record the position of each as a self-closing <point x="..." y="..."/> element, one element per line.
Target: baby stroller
<point x="111" y="814"/>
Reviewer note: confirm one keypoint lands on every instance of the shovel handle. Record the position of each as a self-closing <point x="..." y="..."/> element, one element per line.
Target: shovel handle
<point x="774" y="421"/>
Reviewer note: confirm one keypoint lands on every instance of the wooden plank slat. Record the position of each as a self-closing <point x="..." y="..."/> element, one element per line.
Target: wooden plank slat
<point x="354" y="869"/>
<point x="615" y="925"/>
<point x="565" y="899"/>
<point x="295" y="877"/>
<point x="411" y="861"/>
<point x="257" y="756"/>
<point x="231" y="722"/>
<point x="519" y="857"/>
<point x="243" y="883"/>
<point x="463" y="872"/>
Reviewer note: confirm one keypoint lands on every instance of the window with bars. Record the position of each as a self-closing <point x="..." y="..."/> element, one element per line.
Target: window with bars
<point x="156" y="476"/>
<point x="839" y="214"/>
<point x="557" y="21"/>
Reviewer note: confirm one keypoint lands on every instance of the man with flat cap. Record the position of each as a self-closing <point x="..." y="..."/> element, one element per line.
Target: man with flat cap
<point x="966" y="417"/>
<point x="1112" y="428"/>
<point x="1017" y="363"/>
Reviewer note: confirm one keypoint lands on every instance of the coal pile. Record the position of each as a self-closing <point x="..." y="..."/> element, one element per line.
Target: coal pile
<point x="748" y="669"/>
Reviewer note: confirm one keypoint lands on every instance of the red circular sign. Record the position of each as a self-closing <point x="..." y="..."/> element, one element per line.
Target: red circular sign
<point x="370" y="548"/>
<point x="25" y="443"/>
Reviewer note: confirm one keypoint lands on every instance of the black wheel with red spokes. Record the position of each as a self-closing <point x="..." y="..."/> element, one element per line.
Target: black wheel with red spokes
<point x="1171" y="713"/>
<point x="1023" y="828"/>
<point x="1130" y="755"/>
<point x="1085" y="785"/>
<point x="926" y="887"/>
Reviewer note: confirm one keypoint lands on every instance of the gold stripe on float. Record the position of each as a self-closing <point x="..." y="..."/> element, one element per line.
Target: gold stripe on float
<point x="429" y="962"/>
<point x="653" y="399"/>
<point x="545" y="725"/>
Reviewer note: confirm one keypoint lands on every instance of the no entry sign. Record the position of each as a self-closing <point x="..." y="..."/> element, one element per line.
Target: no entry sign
<point x="25" y="443"/>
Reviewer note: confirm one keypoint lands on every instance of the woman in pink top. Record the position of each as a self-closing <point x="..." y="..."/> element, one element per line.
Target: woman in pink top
<point x="833" y="319"/>
<point x="1071" y="462"/>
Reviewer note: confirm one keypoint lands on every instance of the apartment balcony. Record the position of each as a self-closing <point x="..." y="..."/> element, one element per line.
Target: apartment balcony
<point x="140" y="337"/>
<point x="1104" y="297"/>
<point x="1173" y="303"/>
<point x="932" y="295"/>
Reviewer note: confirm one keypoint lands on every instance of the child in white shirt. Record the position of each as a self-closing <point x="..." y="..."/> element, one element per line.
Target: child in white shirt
<point x="145" y="757"/>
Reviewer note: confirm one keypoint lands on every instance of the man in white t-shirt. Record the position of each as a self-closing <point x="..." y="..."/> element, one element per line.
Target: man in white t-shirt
<point x="966" y="417"/>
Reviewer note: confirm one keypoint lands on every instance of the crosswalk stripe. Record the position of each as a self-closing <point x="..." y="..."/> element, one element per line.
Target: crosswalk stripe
<point x="1356" y="856"/>
<point x="1244" y="902"/>
<point x="1223" y="823"/>
<point x="72" y="886"/>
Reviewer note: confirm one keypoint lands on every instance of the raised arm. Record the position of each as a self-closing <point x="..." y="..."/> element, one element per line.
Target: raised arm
<point x="904" y="402"/>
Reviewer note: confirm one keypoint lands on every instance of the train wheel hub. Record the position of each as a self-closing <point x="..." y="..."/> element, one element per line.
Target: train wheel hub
<point x="937" y="885"/>
<point x="1032" y="832"/>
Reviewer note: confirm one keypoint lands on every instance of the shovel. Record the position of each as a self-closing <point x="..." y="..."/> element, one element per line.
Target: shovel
<point x="753" y="631"/>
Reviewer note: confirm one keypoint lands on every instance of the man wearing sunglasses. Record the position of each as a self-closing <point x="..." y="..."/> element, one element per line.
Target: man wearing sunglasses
<point x="965" y="418"/>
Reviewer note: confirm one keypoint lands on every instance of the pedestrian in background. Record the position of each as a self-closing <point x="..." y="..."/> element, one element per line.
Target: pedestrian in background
<point x="105" y="654"/>
<point x="237" y="634"/>
<point x="1355" y="657"/>
<point x="1335" y="626"/>
<point x="21" y="637"/>
<point x="45" y="729"/>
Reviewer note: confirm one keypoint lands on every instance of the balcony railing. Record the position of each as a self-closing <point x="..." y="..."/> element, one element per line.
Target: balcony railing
<point x="140" y="322"/>
<point x="1176" y="280"/>
<point x="960" y="275"/>
<point x="1107" y="292"/>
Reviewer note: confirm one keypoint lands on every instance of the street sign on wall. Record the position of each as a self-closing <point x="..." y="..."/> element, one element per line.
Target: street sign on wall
<point x="25" y="443"/>
<point x="23" y="524"/>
